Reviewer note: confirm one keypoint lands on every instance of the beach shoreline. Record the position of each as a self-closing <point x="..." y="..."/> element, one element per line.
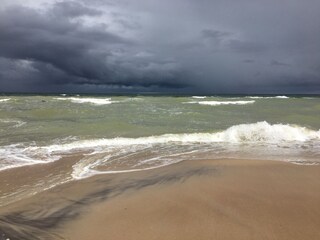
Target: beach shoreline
<point x="202" y="199"/>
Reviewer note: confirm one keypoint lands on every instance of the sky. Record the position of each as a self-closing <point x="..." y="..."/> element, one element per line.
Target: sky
<point x="170" y="46"/>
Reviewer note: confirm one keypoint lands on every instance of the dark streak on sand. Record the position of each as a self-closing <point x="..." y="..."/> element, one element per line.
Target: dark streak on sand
<point x="39" y="223"/>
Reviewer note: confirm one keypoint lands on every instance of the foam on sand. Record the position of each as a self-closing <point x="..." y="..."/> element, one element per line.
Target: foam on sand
<point x="15" y="155"/>
<point x="95" y="101"/>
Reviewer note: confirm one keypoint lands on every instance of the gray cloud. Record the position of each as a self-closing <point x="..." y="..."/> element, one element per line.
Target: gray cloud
<point x="192" y="46"/>
<point x="278" y="63"/>
<point x="248" y="61"/>
<point x="73" y="9"/>
<point x="66" y="46"/>
<point x="214" y="36"/>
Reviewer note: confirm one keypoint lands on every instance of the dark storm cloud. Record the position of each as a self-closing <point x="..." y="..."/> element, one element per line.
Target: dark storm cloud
<point x="197" y="46"/>
<point x="49" y="40"/>
<point x="59" y="51"/>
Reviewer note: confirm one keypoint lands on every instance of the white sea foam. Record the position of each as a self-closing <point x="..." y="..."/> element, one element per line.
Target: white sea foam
<point x="218" y="103"/>
<point x="4" y="99"/>
<point x="303" y="162"/>
<point x="199" y="97"/>
<point x="15" y="155"/>
<point x="101" y="151"/>
<point x="81" y="173"/>
<point x="17" y="123"/>
<point x="255" y="132"/>
<point x="133" y="99"/>
<point x="259" y="97"/>
<point x="252" y="134"/>
<point x="95" y="101"/>
<point x="285" y="97"/>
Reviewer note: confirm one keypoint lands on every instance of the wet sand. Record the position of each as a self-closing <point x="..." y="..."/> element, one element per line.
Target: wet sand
<point x="212" y="199"/>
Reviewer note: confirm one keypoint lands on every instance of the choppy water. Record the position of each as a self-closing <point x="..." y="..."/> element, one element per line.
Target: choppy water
<point x="124" y="133"/>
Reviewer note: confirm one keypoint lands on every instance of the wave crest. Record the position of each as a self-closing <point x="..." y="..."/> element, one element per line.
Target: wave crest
<point x="218" y="103"/>
<point x="199" y="97"/>
<point x="95" y="101"/>
<point x="165" y="147"/>
<point x="250" y="133"/>
<point x="258" y="97"/>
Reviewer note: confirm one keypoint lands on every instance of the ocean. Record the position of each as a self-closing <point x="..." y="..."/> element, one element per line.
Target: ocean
<point x="114" y="134"/>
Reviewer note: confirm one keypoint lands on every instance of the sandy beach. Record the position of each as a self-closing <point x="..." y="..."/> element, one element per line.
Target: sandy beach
<point x="209" y="199"/>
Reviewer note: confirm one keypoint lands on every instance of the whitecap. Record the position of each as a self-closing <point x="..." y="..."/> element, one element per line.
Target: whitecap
<point x="259" y="97"/>
<point x="199" y="97"/>
<point x="218" y="103"/>
<point x="95" y="101"/>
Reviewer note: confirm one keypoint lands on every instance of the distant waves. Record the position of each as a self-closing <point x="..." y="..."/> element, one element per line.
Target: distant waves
<point x="218" y="103"/>
<point x="95" y="101"/>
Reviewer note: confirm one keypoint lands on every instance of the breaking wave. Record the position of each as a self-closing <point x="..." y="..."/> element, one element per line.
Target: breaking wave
<point x="255" y="132"/>
<point x="4" y="99"/>
<point x="95" y="101"/>
<point x="199" y="97"/>
<point x="218" y="103"/>
<point x="258" y="97"/>
<point x="164" y="148"/>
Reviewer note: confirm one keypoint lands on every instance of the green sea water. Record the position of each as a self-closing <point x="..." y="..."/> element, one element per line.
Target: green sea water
<point x="46" y="119"/>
